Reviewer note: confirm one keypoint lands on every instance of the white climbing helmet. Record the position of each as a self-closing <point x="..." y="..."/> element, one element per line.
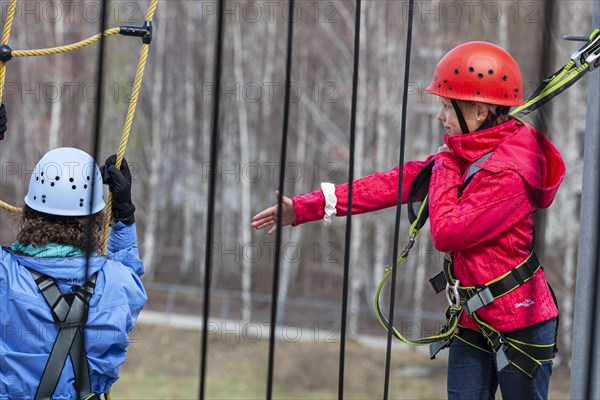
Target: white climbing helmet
<point x="61" y="184"/>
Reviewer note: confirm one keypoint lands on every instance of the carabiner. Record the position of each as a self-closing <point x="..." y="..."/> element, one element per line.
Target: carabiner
<point x="581" y="56"/>
<point x="452" y="291"/>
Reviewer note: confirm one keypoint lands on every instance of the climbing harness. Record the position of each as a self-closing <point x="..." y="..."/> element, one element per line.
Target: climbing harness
<point x="418" y="192"/>
<point x="70" y="313"/>
<point x="526" y="357"/>
<point x="144" y="32"/>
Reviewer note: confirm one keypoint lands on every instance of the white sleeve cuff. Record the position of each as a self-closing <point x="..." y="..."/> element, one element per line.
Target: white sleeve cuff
<point x="330" y="201"/>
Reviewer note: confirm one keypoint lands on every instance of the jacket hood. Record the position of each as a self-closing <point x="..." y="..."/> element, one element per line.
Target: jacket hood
<point x="520" y="148"/>
<point x="70" y="269"/>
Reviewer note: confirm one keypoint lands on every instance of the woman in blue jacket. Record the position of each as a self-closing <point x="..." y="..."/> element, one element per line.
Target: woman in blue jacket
<point x="63" y="335"/>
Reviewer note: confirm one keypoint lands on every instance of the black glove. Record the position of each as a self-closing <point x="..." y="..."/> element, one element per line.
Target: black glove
<point x="119" y="183"/>
<point x="3" y="120"/>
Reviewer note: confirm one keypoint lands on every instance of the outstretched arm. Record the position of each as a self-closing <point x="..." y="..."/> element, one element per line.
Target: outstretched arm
<point x="371" y="193"/>
<point x="268" y="217"/>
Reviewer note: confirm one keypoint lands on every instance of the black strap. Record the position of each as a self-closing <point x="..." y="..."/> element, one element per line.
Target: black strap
<point x="417" y="193"/>
<point x="483" y="295"/>
<point x="473" y="169"/>
<point x="459" y="115"/>
<point x="70" y="313"/>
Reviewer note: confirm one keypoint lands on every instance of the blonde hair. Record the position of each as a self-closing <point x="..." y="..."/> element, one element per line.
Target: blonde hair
<point x="494" y="119"/>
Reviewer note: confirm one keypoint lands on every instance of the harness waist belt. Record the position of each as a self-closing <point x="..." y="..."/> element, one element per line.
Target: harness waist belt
<point x="477" y="297"/>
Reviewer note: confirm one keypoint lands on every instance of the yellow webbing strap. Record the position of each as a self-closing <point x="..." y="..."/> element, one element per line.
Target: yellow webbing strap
<point x="453" y="312"/>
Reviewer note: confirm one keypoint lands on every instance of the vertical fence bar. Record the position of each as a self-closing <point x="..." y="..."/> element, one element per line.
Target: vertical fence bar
<point x="95" y="152"/>
<point x="214" y="154"/>
<point x="388" y="356"/>
<point x="349" y="213"/>
<point x="585" y="371"/>
<point x="282" y="161"/>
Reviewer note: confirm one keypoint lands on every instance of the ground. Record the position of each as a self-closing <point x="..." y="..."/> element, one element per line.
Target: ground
<point x="163" y="363"/>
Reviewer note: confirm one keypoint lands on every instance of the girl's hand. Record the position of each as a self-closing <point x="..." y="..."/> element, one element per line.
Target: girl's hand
<point x="268" y="217"/>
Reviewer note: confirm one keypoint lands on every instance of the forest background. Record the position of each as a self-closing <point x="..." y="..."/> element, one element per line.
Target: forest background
<point x="51" y="101"/>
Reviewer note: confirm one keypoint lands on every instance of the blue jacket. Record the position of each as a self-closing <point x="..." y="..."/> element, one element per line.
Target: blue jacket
<point x="27" y="330"/>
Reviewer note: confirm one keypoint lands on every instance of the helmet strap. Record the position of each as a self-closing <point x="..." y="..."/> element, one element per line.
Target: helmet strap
<point x="498" y="112"/>
<point x="459" y="115"/>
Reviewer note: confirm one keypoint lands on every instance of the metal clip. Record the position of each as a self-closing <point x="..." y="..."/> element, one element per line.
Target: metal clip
<point x="593" y="60"/>
<point x="411" y="242"/>
<point x="581" y="56"/>
<point x="452" y="291"/>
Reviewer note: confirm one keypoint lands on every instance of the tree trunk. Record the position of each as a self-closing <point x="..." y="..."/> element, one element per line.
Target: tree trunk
<point x="244" y="141"/>
<point x="357" y="239"/>
<point x="190" y="180"/>
<point x="154" y="156"/>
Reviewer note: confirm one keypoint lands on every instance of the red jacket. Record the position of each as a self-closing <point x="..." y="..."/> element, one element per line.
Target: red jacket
<point x="490" y="230"/>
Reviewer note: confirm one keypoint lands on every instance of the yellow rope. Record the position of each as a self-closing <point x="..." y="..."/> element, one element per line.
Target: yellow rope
<point x="128" y="123"/>
<point x="72" y="47"/>
<point x="5" y="36"/>
<point x="66" y="48"/>
<point x="10" y="208"/>
<point x="126" y="131"/>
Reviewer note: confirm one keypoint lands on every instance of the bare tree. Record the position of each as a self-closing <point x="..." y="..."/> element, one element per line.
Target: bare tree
<point x="191" y="187"/>
<point x="244" y="153"/>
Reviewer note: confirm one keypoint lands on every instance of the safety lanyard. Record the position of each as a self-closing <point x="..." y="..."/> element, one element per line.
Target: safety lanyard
<point x="587" y="58"/>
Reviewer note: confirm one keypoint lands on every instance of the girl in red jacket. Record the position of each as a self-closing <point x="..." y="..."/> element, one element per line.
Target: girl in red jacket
<point x="486" y="224"/>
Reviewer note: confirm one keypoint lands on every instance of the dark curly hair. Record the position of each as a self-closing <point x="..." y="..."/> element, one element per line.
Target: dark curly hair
<point x="37" y="228"/>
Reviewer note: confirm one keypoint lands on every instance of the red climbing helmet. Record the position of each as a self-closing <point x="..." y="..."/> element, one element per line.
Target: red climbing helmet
<point x="478" y="71"/>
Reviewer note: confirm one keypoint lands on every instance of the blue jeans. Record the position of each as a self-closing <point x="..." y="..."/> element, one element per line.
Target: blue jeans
<point x="472" y="373"/>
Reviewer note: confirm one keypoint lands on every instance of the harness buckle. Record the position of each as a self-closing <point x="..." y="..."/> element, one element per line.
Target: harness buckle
<point x="436" y="347"/>
<point x="502" y="360"/>
<point x="452" y="293"/>
<point x="480" y="299"/>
